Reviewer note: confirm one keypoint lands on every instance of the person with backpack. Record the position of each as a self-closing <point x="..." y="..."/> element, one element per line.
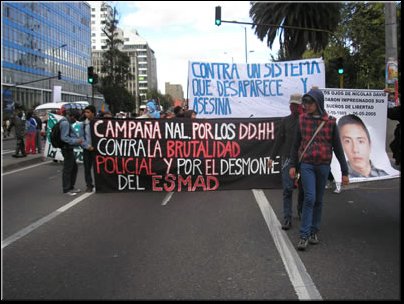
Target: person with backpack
<point x="70" y="140"/>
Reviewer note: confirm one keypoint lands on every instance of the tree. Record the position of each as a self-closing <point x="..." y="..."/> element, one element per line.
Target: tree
<point x="363" y="30"/>
<point x="115" y="69"/>
<point x="269" y="16"/>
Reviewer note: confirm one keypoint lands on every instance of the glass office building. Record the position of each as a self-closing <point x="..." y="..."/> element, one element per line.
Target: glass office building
<point x="39" y="39"/>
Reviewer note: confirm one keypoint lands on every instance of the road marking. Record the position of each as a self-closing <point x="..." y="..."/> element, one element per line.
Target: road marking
<point x="7" y="151"/>
<point x="25" y="168"/>
<point x="298" y="275"/>
<point x="167" y="198"/>
<point x="16" y="236"/>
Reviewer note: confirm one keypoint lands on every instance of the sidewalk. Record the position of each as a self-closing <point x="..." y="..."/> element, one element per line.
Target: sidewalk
<point x="9" y="163"/>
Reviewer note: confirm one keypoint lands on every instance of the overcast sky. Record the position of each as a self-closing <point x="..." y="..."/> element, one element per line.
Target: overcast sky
<point x="179" y="32"/>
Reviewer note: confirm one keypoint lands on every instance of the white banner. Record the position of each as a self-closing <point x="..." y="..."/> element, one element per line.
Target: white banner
<point x="362" y="120"/>
<point x="222" y="90"/>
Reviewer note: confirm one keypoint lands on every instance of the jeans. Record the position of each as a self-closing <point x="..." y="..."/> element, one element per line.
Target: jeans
<point x="314" y="179"/>
<point x="287" y="185"/>
<point x="69" y="169"/>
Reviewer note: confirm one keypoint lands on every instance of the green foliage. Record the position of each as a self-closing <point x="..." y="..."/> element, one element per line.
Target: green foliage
<point x="115" y="68"/>
<point x="268" y="16"/>
<point x="358" y="37"/>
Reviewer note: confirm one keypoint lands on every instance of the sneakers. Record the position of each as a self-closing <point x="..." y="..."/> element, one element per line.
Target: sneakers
<point x="313" y="239"/>
<point x="337" y="188"/>
<point x="287" y="224"/>
<point x="302" y="244"/>
<point x="71" y="193"/>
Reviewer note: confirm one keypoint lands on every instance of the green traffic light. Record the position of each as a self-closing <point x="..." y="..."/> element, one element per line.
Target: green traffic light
<point x="90" y="80"/>
<point x="218" y="22"/>
<point x="340" y="71"/>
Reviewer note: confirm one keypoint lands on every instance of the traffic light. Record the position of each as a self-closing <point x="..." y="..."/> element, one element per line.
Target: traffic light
<point x="90" y="75"/>
<point x="218" y="15"/>
<point x="340" y="65"/>
<point x="95" y="79"/>
<point x="59" y="75"/>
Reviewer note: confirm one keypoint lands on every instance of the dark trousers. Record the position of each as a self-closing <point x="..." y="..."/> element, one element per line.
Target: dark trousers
<point x="69" y="169"/>
<point x="20" y="146"/>
<point x="88" y="160"/>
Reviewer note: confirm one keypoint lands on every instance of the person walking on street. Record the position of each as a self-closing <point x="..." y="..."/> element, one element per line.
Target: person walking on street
<point x="282" y="147"/>
<point x="315" y="161"/>
<point x="19" y="128"/>
<point x="71" y="140"/>
<point x="88" y="149"/>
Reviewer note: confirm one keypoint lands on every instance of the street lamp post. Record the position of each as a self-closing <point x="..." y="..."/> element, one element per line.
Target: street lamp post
<point x="53" y="67"/>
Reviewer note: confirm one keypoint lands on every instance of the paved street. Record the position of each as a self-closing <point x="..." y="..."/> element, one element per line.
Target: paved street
<point x="203" y="245"/>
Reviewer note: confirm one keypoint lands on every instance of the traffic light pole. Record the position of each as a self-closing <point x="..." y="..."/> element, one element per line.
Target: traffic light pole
<point x="92" y="94"/>
<point x="341" y="81"/>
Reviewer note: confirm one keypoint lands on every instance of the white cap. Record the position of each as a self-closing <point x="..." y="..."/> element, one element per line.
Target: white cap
<point x="296" y="98"/>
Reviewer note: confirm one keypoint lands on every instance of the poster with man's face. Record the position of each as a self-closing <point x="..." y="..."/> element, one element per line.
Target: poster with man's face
<point x="361" y="118"/>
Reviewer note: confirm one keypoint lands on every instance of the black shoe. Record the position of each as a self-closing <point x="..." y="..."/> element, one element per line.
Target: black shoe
<point x="287" y="224"/>
<point x="313" y="239"/>
<point x="15" y="155"/>
<point x="302" y="244"/>
<point x="89" y="189"/>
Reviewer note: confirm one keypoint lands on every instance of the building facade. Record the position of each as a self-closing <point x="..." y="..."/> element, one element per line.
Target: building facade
<point x="175" y="90"/>
<point x="142" y="58"/>
<point x="39" y="40"/>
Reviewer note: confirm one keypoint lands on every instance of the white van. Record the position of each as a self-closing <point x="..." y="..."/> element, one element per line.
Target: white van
<point x="57" y="108"/>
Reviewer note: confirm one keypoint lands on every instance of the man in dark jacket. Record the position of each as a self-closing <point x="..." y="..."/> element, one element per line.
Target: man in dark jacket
<point x="315" y="164"/>
<point x="19" y="127"/>
<point x="283" y="143"/>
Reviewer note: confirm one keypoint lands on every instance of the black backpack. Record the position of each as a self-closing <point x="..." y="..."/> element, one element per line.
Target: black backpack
<point x="55" y="137"/>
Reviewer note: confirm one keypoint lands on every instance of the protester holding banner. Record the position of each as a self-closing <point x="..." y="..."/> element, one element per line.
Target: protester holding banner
<point x="356" y="142"/>
<point x="71" y="140"/>
<point x="88" y="149"/>
<point x="282" y="146"/>
<point x="315" y="161"/>
<point x="190" y="114"/>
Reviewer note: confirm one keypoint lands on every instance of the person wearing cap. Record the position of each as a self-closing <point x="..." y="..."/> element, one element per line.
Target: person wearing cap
<point x="283" y="143"/>
<point x="315" y="164"/>
<point x="71" y="140"/>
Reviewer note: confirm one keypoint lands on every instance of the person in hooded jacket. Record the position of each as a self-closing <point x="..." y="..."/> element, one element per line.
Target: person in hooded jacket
<point x="315" y="164"/>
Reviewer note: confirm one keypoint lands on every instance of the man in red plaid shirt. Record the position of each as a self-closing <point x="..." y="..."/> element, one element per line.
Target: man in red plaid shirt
<point x="315" y="165"/>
